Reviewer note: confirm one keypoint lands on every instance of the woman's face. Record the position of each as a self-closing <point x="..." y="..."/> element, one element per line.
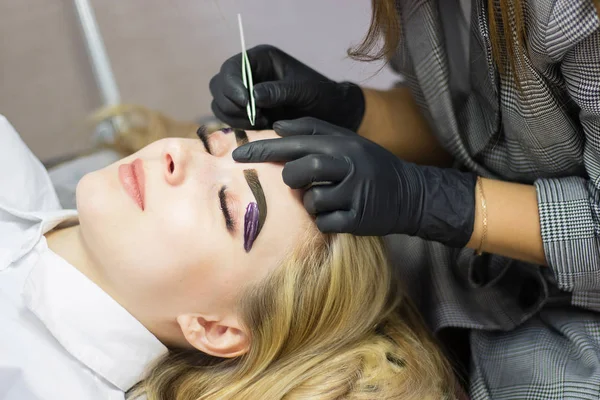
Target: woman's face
<point x="181" y="249"/>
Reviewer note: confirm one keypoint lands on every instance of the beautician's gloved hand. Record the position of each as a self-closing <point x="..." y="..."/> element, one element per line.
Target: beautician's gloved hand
<point x="371" y="191"/>
<point x="284" y="88"/>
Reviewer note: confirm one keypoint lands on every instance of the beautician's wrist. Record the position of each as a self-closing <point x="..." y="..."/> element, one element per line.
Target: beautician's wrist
<point x="500" y="207"/>
<point x="477" y="241"/>
<point x="449" y="209"/>
<point x="372" y="103"/>
<point x="350" y="106"/>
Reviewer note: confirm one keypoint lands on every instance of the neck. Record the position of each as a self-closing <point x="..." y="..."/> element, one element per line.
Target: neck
<point x="67" y="243"/>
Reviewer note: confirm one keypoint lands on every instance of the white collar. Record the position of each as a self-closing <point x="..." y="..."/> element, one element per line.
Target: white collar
<point x="89" y="323"/>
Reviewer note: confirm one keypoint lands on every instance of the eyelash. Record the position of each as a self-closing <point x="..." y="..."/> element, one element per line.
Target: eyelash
<point x="226" y="213"/>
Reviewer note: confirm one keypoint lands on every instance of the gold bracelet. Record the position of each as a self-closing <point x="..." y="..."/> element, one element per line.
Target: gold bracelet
<point x="484" y="216"/>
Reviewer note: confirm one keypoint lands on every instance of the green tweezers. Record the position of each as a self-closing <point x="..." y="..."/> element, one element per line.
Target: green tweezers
<point x="247" y="76"/>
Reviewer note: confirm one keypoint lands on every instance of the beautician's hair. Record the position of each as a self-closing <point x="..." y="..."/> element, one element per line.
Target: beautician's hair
<point x="331" y="322"/>
<point x="504" y="16"/>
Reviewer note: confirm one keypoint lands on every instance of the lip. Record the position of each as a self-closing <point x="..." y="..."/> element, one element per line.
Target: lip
<point x="132" y="179"/>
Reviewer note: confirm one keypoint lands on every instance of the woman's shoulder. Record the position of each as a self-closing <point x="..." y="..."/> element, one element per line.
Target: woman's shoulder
<point x="562" y="23"/>
<point x="24" y="182"/>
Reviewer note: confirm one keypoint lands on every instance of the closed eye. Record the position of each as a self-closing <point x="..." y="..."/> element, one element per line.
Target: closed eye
<point x="229" y="223"/>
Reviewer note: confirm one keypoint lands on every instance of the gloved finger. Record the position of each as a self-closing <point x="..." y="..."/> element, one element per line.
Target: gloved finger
<point x="280" y="150"/>
<point x="242" y="122"/>
<point x="313" y="168"/>
<point x="309" y="126"/>
<point x="261" y="62"/>
<point x="293" y="94"/>
<point x="325" y="199"/>
<point x="337" y="222"/>
<point x="229" y="81"/>
<point x="225" y="104"/>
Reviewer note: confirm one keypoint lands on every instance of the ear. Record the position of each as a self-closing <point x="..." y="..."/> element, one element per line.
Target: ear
<point x="217" y="337"/>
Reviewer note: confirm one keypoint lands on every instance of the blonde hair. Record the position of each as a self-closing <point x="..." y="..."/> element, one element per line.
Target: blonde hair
<point x="331" y="322"/>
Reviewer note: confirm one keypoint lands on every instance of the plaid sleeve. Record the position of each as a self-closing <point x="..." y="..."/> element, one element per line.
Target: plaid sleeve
<point x="569" y="207"/>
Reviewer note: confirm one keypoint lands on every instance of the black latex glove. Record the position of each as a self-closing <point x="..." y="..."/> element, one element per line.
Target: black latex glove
<point x="370" y="191"/>
<point x="284" y="88"/>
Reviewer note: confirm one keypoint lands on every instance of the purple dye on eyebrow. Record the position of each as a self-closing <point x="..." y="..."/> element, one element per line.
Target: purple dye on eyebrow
<point x="250" y="225"/>
<point x="226" y="130"/>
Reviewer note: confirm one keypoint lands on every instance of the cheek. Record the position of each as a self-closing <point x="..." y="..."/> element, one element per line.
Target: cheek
<point x="187" y="236"/>
<point x="176" y="234"/>
<point x="178" y="259"/>
<point x="171" y="247"/>
<point x="199" y="262"/>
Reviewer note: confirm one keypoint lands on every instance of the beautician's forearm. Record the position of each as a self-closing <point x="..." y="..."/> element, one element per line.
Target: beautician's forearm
<point x="392" y="119"/>
<point x="513" y="222"/>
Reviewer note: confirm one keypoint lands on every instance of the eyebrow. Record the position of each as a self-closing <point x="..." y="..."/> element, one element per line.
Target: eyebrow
<point x="254" y="183"/>
<point x="204" y="135"/>
<point x="241" y="137"/>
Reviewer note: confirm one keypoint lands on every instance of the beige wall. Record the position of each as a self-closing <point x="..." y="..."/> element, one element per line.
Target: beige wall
<point x="163" y="54"/>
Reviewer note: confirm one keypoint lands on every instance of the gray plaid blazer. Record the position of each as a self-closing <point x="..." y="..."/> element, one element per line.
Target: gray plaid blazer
<point x="534" y="332"/>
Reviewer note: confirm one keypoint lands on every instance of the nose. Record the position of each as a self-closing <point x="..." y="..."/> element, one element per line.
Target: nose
<point x="175" y="160"/>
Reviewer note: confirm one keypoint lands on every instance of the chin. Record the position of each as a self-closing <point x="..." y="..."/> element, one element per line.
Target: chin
<point x="85" y="192"/>
<point x="100" y="213"/>
<point x="96" y="197"/>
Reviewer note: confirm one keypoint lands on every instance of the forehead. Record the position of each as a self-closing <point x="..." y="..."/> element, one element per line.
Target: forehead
<point x="259" y="135"/>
